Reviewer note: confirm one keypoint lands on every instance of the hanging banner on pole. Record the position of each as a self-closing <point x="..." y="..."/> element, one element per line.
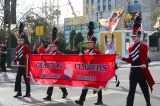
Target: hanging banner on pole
<point x="39" y="30"/>
<point x="72" y="70"/>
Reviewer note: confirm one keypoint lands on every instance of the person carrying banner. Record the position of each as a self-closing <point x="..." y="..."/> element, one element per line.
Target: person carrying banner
<point x="54" y="51"/>
<point x="138" y="54"/>
<point x="22" y="51"/>
<point x="110" y="49"/>
<point x="90" y="51"/>
<point x="40" y="49"/>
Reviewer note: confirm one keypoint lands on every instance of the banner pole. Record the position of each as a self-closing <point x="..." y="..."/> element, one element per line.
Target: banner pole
<point x="27" y="73"/>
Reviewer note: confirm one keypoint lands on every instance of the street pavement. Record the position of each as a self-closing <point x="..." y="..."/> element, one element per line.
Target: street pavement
<point x="113" y="96"/>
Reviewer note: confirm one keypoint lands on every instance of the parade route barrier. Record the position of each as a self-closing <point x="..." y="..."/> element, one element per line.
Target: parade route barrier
<point x="72" y="70"/>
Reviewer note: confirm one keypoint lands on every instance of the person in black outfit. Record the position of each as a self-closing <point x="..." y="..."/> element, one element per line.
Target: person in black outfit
<point x="3" y="53"/>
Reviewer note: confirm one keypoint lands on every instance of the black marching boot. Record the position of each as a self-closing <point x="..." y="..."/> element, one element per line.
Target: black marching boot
<point x="17" y="95"/>
<point x="48" y="98"/>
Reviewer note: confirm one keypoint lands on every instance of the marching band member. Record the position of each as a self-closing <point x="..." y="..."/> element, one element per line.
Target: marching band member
<point x="138" y="54"/>
<point x="22" y="51"/>
<point x="54" y="51"/>
<point x="90" y="51"/>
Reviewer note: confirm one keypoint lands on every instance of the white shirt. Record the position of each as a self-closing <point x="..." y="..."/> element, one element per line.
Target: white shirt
<point x="110" y="50"/>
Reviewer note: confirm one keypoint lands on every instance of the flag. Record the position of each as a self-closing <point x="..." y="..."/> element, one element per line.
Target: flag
<point x="113" y="21"/>
<point x="157" y="24"/>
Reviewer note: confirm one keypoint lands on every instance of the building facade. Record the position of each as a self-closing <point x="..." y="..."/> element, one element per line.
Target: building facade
<point x="93" y="10"/>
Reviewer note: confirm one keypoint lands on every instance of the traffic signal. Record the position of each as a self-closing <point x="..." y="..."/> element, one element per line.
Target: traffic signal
<point x="6" y="11"/>
<point x="13" y="11"/>
<point x="10" y="11"/>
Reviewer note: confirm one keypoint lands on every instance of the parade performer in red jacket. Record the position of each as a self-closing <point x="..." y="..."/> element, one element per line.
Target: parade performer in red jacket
<point x="90" y="51"/>
<point x="54" y="51"/>
<point x="22" y="51"/>
<point x="138" y="55"/>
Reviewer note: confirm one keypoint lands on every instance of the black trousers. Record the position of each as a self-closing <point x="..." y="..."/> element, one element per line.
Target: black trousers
<point x="3" y="67"/>
<point x="22" y="72"/>
<point x="84" y="93"/>
<point x="137" y="76"/>
<point x="50" y="90"/>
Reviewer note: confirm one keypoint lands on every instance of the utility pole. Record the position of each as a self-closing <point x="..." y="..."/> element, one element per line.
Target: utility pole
<point x="9" y="19"/>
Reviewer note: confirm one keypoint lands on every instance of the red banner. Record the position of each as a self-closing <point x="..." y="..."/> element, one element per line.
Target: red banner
<point x="72" y="70"/>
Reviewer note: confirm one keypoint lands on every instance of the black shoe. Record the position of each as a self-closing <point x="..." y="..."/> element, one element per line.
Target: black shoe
<point x="148" y="104"/>
<point x="129" y="105"/>
<point x="94" y="92"/>
<point x="17" y="95"/>
<point x="48" y="98"/>
<point x="116" y="78"/>
<point x="79" y="102"/>
<point x="117" y="85"/>
<point x="27" y="95"/>
<point x="98" y="103"/>
<point x="64" y="95"/>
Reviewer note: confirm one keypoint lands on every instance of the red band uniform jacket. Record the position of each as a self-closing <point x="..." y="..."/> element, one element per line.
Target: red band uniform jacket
<point x="26" y="51"/>
<point x="143" y="56"/>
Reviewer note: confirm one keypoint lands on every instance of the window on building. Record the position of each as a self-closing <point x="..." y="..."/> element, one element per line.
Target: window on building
<point x="66" y="28"/>
<point x="109" y="5"/>
<point x="135" y="1"/>
<point x="104" y="8"/>
<point x="158" y="2"/>
<point x="99" y="8"/>
<point x="92" y="2"/>
<point x="98" y="5"/>
<point x="69" y="27"/>
<point x="87" y="2"/>
<point x="87" y="9"/>
<point x="101" y="14"/>
<point x="104" y="5"/>
<point x="98" y="2"/>
<point x="109" y="2"/>
<point x="104" y="2"/>
<point x="72" y="27"/>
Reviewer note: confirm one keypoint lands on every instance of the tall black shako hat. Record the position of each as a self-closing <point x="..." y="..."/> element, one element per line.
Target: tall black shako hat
<point x="54" y="32"/>
<point x="136" y="30"/>
<point x="21" y="27"/>
<point x="91" y="25"/>
<point x="90" y="30"/>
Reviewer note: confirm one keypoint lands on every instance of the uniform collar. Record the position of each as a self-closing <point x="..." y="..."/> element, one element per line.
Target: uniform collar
<point x="91" y="50"/>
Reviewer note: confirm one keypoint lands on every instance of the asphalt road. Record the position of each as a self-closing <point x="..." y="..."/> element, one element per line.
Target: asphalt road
<point x="113" y="96"/>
